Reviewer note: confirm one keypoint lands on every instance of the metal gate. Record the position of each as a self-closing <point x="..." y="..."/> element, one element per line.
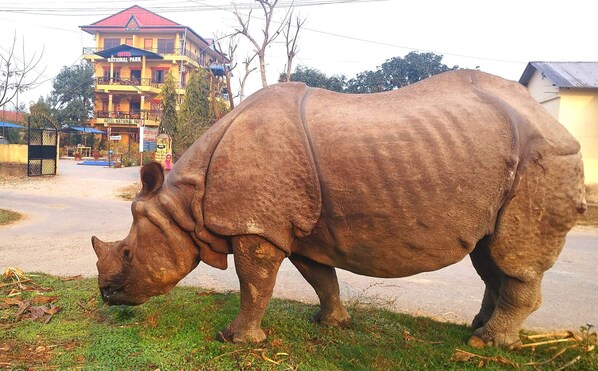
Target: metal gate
<point x="43" y="151"/>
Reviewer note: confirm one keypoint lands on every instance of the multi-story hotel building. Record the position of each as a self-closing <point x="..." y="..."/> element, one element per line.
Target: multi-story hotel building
<point x="135" y="49"/>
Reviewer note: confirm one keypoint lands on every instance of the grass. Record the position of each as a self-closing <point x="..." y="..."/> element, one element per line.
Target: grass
<point x="176" y="331"/>
<point x="129" y="193"/>
<point x="8" y="216"/>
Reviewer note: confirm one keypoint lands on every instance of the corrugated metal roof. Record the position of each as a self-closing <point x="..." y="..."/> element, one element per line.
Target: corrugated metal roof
<point x="564" y="74"/>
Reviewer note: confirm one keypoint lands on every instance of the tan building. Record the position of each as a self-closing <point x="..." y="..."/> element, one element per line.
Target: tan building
<point x="569" y="91"/>
<point x="135" y="50"/>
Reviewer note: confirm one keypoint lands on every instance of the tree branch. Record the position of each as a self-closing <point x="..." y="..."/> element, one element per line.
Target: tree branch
<point x="15" y="73"/>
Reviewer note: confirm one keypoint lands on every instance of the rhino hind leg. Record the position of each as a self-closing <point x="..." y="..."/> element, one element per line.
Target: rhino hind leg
<point x="323" y="279"/>
<point x="529" y="236"/>
<point x="257" y="262"/>
<point x="491" y="275"/>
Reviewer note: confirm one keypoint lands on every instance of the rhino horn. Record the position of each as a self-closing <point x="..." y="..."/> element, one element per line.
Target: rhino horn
<point x="99" y="246"/>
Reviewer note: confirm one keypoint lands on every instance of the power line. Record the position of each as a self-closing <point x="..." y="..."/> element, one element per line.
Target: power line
<point x="199" y="6"/>
<point x="230" y="7"/>
<point x="410" y="47"/>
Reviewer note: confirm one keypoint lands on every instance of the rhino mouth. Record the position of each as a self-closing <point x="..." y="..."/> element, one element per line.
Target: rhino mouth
<point x="118" y="296"/>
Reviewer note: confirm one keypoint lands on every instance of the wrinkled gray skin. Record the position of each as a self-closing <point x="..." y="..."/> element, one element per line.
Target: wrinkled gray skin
<point x="383" y="185"/>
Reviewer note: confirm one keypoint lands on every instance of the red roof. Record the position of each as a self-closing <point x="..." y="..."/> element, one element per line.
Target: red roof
<point x="142" y="16"/>
<point x="139" y="19"/>
<point x="12" y="116"/>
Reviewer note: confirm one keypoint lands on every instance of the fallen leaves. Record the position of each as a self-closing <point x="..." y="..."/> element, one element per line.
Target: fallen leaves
<point x="28" y="312"/>
<point x="556" y="345"/>
<point x="14" y="284"/>
<point x="13" y="353"/>
<point x="464" y="356"/>
<point x="249" y="356"/>
<point x="14" y="281"/>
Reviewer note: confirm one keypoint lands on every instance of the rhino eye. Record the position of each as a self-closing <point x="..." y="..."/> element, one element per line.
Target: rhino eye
<point x="126" y="253"/>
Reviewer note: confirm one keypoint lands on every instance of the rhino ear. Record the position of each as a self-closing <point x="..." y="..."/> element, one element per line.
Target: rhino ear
<point x="152" y="177"/>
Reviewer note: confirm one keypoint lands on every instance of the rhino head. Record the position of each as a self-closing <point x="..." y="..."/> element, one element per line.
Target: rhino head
<point x="155" y="255"/>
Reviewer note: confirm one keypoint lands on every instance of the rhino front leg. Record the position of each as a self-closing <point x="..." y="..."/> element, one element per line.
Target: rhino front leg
<point x="323" y="279"/>
<point x="256" y="262"/>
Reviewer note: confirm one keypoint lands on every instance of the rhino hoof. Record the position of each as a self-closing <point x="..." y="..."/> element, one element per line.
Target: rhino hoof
<point x="333" y="319"/>
<point x="249" y="336"/>
<point x="480" y="340"/>
<point x="476" y="342"/>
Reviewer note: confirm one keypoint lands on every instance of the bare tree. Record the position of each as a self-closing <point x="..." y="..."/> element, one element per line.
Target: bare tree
<point x="17" y="74"/>
<point x="233" y="43"/>
<point x="268" y="7"/>
<point x="248" y="71"/>
<point x="291" y="39"/>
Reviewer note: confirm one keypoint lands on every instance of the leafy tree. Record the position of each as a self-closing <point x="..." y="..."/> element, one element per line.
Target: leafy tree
<point x="195" y="115"/>
<point x="367" y="82"/>
<point x="40" y="112"/>
<point x="72" y="94"/>
<point x="168" y="122"/>
<point x="316" y="79"/>
<point x="398" y="72"/>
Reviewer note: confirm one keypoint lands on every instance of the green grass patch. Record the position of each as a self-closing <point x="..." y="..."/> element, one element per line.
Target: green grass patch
<point x="8" y="216"/>
<point x="177" y="331"/>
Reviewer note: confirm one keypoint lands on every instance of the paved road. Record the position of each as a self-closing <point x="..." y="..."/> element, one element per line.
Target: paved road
<point x="65" y="211"/>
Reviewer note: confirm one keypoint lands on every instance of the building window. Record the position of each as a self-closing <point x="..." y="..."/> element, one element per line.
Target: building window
<point x="166" y="46"/>
<point x="158" y="76"/>
<point x="115" y="74"/>
<point x="134" y="110"/>
<point x="110" y="43"/>
<point x="135" y="76"/>
<point x="148" y="44"/>
<point x="129" y="41"/>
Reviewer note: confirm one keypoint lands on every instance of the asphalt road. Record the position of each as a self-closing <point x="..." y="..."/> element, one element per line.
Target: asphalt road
<point x="62" y="213"/>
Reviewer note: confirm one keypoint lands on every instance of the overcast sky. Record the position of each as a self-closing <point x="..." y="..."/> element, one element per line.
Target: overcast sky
<point x="347" y="37"/>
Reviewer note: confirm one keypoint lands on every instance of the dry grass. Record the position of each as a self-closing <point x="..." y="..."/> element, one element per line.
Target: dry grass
<point x="592" y="193"/>
<point x="590" y="217"/>
<point x="8" y="217"/>
<point x="129" y="192"/>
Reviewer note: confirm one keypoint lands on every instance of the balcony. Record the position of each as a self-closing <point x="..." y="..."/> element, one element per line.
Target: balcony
<point x="134" y="118"/>
<point x="136" y="84"/>
<point x="172" y="54"/>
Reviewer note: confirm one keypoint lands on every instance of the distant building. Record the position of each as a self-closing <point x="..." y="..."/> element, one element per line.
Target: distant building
<point x="569" y="91"/>
<point x="12" y="116"/>
<point x="135" y="49"/>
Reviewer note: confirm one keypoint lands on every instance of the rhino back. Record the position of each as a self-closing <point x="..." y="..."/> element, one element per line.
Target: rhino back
<point x="411" y="180"/>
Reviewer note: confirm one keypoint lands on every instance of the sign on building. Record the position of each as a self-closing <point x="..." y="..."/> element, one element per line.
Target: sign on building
<point x="147" y="138"/>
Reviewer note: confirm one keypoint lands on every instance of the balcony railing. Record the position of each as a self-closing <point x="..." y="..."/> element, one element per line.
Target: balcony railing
<point x="130" y="115"/>
<point x="199" y="59"/>
<point x="128" y="82"/>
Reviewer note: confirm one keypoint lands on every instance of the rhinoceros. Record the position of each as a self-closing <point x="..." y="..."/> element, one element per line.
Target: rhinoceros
<point x="384" y="185"/>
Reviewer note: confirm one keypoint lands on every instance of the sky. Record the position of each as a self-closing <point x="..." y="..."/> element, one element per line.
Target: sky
<point x="339" y="36"/>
